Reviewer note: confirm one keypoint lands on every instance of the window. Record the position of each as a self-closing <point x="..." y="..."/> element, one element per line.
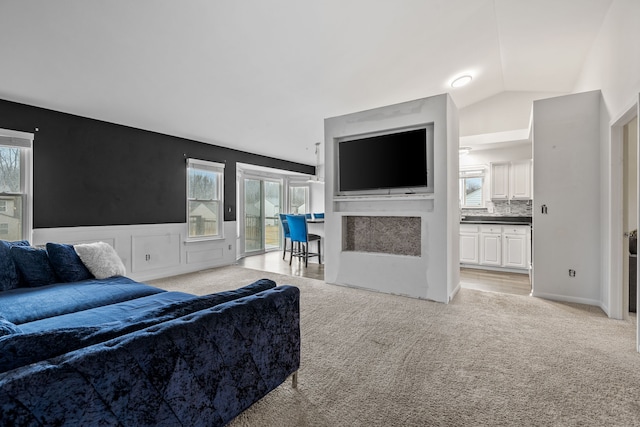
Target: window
<point x="298" y="199"/>
<point x="472" y="188"/>
<point x="15" y="184"/>
<point x="205" y="199"/>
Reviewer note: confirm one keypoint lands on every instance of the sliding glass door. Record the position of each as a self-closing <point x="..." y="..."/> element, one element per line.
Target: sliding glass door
<point x="262" y="204"/>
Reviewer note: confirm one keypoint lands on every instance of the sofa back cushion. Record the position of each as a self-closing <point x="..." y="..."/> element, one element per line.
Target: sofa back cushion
<point x="9" y="277"/>
<point x="33" y="265"/>
<point x="66" y="263"/>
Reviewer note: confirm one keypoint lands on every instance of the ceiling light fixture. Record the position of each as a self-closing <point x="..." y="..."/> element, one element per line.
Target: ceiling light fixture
<point x="463" y="151"/>
<point x="461" y="81"/>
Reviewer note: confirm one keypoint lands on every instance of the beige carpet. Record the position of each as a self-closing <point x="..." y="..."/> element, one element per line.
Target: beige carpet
<point x="370" y="359"/>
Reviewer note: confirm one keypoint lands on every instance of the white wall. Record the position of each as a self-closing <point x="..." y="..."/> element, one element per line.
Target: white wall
<point x="521" y="151"/>
<point x="165" y="244"/>
<point x="613" y="66"/>
<point x="613" y="63"/>
<point x="505" y="111"/>
<point x="316" y="197"/>
<point x="566" y="149"/>
<point x="433" y="275"/>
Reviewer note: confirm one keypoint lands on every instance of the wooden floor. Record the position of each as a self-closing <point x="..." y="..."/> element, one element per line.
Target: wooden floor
<point x="273" y="262"/>
<point x="483" y="280"/>
<point x="495" y="281"/>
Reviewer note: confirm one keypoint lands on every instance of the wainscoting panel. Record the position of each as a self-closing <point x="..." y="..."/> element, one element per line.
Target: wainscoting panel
<point x="151" y="251"/>
<point x="200" y="256"/>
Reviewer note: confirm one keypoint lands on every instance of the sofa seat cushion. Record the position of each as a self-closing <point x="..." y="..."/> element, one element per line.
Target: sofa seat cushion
<point x="108" y="314"/>
<point x="24" y="305"/>
<point x="36" y="345"/>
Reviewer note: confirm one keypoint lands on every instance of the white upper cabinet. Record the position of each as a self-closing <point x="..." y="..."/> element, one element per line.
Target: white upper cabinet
<point x="500" y="181"/>
<point x="520" y="180"/>
<point x="511" y="180"/>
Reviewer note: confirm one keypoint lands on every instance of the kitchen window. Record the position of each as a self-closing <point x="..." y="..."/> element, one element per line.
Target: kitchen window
<point x="298" y="199"/>
<point x="472" y="188"/>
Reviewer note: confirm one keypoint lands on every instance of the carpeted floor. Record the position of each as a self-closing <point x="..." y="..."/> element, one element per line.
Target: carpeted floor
<point x="488" y="359"/>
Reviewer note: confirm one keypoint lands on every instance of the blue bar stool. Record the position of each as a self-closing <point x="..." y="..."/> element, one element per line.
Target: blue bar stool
<point x="300" y="235"/>
<point x="287" y="235"/>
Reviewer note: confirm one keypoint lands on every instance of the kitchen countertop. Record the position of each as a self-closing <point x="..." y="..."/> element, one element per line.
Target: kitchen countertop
<point x="492" y="219"/>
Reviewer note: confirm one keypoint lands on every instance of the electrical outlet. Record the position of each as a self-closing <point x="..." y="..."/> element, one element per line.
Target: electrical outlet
<point x="572" y="273"/>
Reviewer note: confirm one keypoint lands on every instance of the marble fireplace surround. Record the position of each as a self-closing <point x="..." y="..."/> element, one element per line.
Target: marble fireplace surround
<point x="394" y="235"/>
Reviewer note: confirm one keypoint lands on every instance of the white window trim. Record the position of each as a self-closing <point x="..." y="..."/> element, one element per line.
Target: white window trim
<point x="18" y="139"/>
<point x="299" y="184"/>
<point x="215" y="167"/>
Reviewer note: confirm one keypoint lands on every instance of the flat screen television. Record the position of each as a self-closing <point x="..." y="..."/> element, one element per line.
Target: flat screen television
<point x="397" y="162"/>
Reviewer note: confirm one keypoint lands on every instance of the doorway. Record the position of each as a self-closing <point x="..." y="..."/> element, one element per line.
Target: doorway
<point x="262" y="204"/>
<point x="629" y="214"/>
<point x="624" y="128"/>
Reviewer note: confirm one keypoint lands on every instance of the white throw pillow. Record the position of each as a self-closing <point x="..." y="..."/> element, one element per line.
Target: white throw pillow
<point x="100" y="259"/>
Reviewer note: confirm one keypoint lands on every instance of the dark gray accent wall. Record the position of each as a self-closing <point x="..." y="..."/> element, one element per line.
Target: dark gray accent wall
<point x="92" y="173"/>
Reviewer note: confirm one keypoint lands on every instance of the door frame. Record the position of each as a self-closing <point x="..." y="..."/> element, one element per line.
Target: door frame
<point x="245" y="175"/>
<point x="246" y="170"/>
<point x="616" y="289"/>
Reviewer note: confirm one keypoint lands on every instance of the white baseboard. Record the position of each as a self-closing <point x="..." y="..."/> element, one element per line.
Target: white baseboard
<point x="566" y="298"/>
<point x="151" y="251"/>
<point x="455" y="292"/>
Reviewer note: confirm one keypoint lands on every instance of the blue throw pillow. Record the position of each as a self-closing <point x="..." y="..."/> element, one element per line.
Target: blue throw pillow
<point x="9" y="278"/>
<point x="33" y="265"/>
<point x="66" y="263"/>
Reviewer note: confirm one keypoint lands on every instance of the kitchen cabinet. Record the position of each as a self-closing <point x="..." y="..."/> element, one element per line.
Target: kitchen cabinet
<point x="515" y="243"/>
<point x="491" y="245"/>
<point x="495" y="246"/>
<point x="469" y="244"/>
<point x="511" y="180"/>
<point x="500" y="181"/>
<point x="520" y="180"/>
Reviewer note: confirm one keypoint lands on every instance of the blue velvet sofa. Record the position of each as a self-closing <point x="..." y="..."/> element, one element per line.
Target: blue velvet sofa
<point x="113" y="351"/>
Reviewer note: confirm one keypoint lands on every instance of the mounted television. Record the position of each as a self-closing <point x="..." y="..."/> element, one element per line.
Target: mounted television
<point x="390" y="163"/>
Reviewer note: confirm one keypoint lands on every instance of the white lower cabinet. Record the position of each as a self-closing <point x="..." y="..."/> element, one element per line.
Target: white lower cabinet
<point x="491" y="245"/>
<point x="495" y="246"/>
<point x="469" y="248"/>
<point x="515" y="250"/>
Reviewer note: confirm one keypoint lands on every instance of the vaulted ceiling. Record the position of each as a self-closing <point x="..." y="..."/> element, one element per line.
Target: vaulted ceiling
<point x="261" y="76"/>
